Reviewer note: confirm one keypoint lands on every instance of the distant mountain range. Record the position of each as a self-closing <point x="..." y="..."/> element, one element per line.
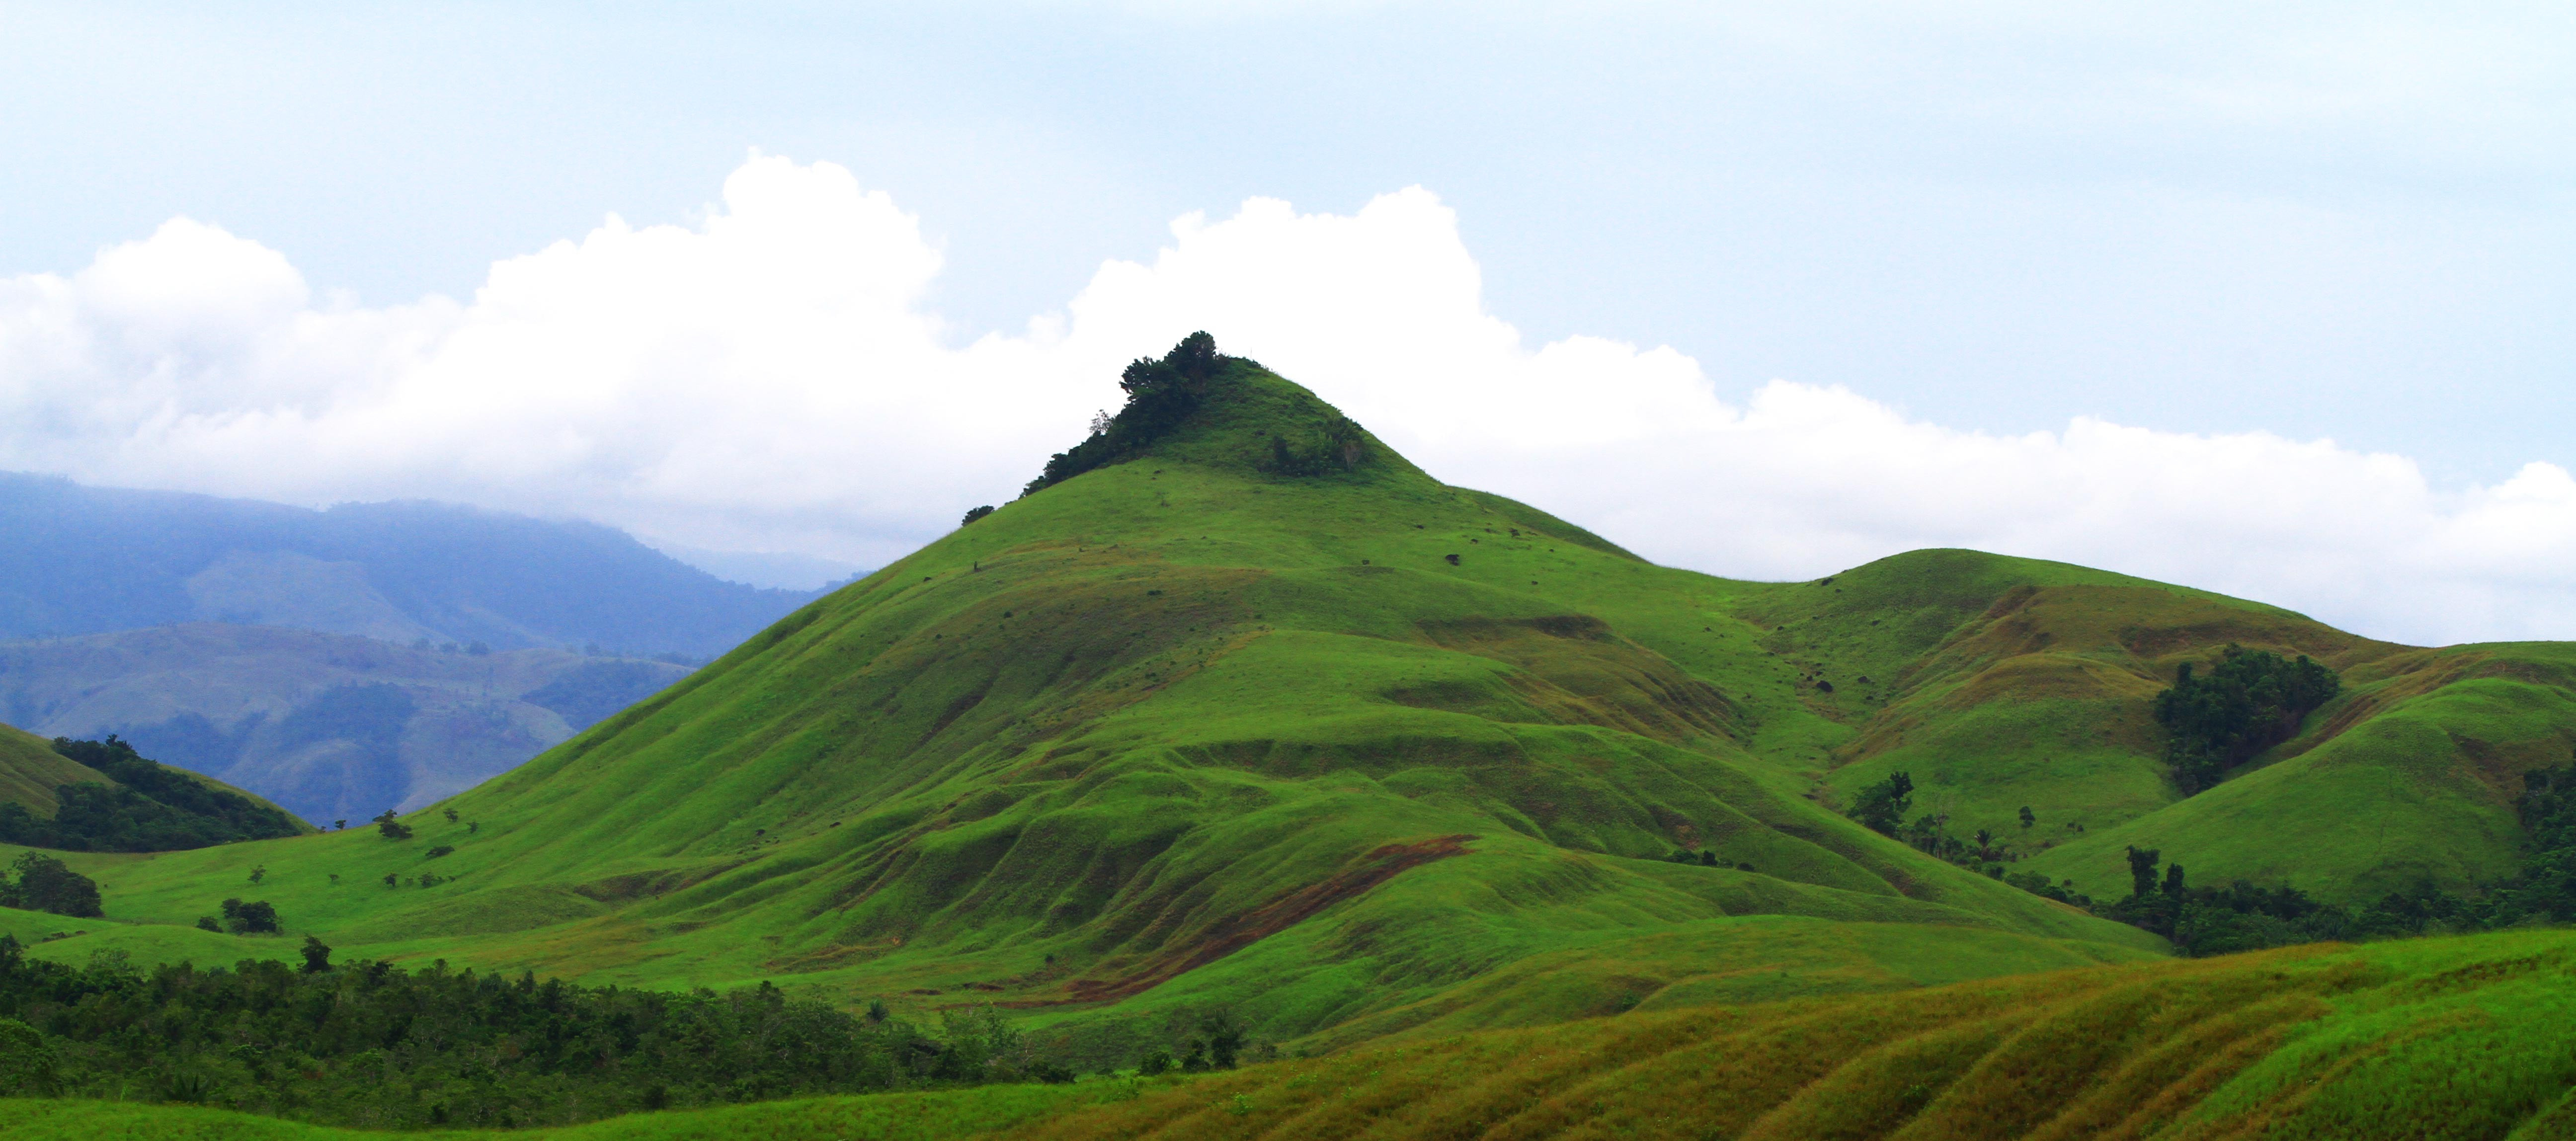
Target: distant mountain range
<point x="330" y="726"/>
<point x="85" y="560"/>
<point x="349" y="660"/>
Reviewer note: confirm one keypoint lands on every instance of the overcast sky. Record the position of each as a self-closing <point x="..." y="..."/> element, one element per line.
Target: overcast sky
<point x="2271" y="303"/>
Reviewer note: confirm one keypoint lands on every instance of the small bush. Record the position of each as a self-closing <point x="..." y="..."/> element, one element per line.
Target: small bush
<point x="253" y="918"/>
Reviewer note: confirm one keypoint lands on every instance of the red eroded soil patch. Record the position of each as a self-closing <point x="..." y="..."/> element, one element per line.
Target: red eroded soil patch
<point x="1232" y="933"/>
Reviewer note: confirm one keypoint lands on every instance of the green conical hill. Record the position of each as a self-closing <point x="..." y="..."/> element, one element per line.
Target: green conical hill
<point x="1259" y="715"/>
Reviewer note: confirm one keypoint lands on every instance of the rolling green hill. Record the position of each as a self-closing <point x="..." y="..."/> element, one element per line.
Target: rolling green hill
<point x="1262" y="717"/>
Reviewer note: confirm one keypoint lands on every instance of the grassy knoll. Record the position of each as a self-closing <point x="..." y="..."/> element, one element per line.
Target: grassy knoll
<point x="2451" y="1038"/>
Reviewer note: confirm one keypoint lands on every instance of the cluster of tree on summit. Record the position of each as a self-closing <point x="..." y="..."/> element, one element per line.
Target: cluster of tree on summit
<point x="1161" y="396"/>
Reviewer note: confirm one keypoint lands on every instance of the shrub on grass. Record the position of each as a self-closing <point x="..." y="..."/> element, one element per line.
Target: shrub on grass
<point x="390" y="828"/>
<point x="1881" y="807"/>
<point x="254" y="918"/>
<point x="43" y="883"/>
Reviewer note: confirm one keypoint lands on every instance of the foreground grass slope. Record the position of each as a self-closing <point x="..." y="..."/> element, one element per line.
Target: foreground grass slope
<point x="2441" y="1038"/>
<point x="2457" y="1038"/>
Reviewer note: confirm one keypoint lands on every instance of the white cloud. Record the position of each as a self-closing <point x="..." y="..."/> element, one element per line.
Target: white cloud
<point x="771" y="379"/>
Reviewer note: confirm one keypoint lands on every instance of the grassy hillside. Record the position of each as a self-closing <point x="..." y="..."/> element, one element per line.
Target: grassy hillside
<point x="1352" y="753"/>
<point x="2404" y="780"/>
<point x="1179" y="733"/>
<point x="2459" y="1038"/>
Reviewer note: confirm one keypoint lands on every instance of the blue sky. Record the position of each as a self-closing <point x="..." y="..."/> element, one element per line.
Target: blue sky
<point x="2316" y="221"/>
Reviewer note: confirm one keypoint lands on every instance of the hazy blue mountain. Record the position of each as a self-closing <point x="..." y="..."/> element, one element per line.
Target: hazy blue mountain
<point x="326" y="725"/>
<point x="80" y="560"/>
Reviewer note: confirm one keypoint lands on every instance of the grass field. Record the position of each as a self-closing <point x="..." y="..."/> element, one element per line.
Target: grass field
<point x="2454" y="1038"/>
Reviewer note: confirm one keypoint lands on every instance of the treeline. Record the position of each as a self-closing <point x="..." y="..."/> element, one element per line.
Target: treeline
<point x="151" y="808"/>
<point x="373" y="1045"/>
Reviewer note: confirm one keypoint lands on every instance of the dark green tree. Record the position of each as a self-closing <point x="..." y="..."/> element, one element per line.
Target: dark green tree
<point x="975" y="513"/>
<point x="1224" y="1039"/>
<point x="255" y="918"/>
<point x="1881" y="807"/>
<point x="2142" y="870"/>
<point x="317" y="957"/>
<point x="391" y="828"/>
